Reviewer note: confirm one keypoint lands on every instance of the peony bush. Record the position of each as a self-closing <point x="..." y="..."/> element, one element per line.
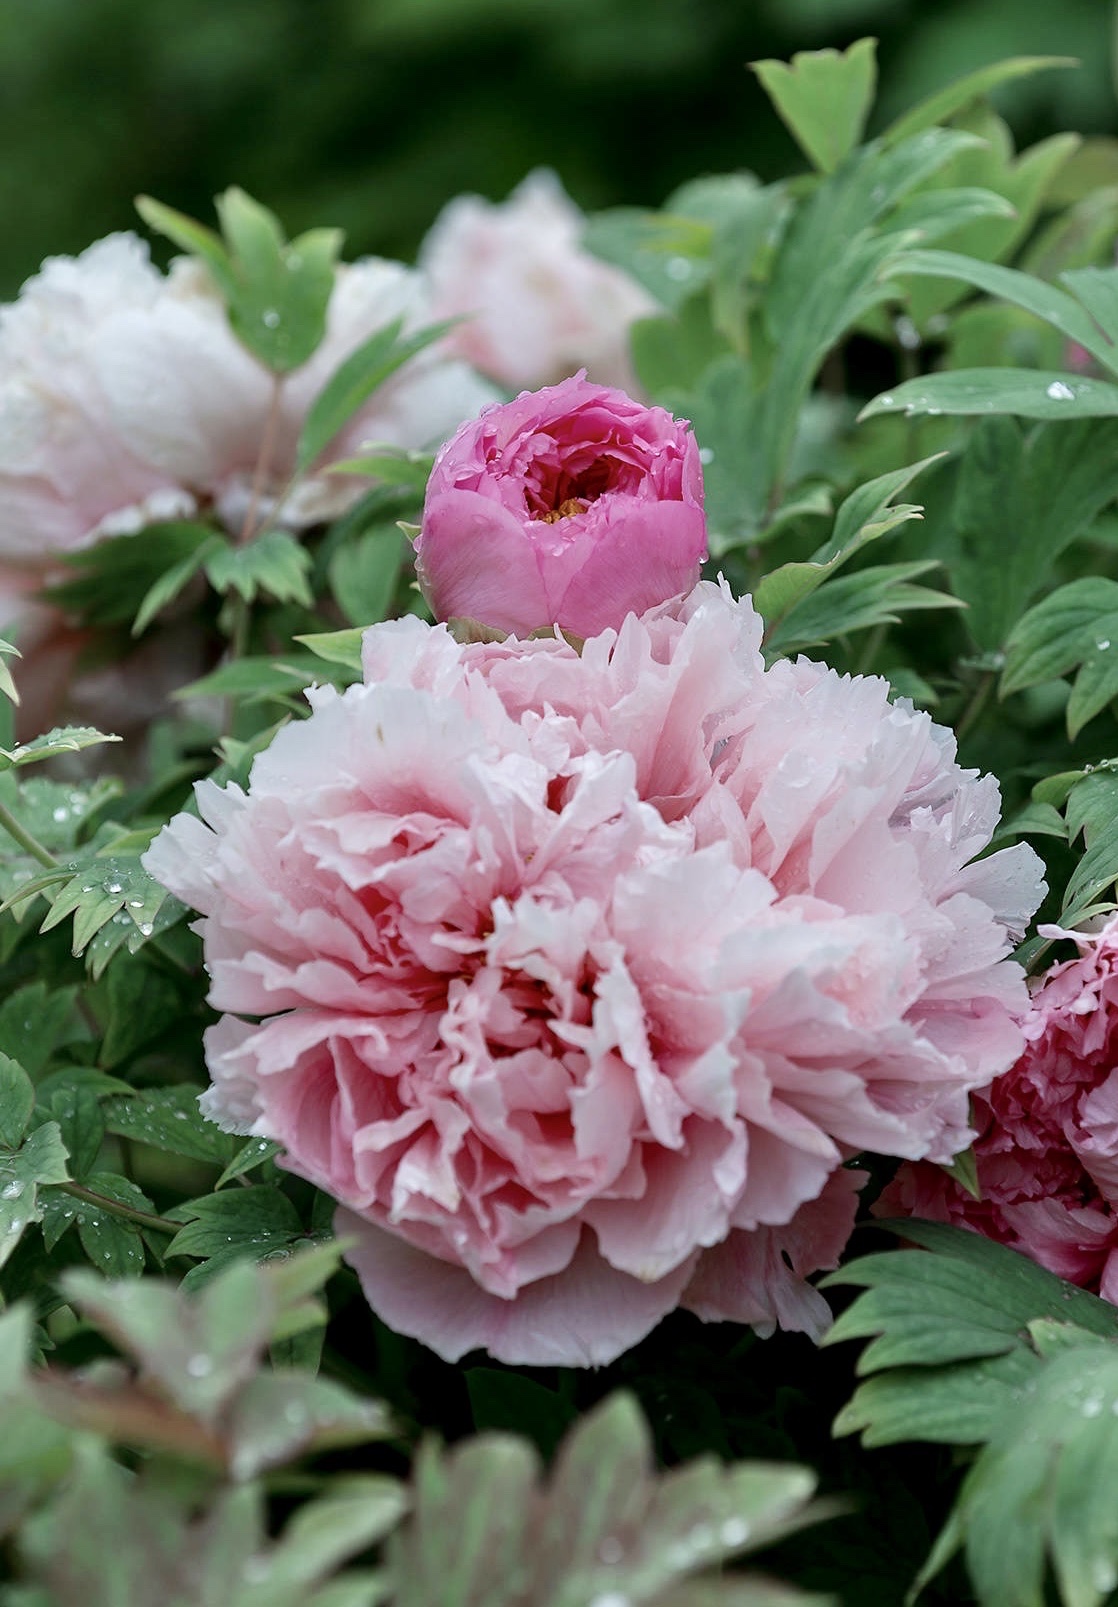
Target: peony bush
<point x="516" y="910"/>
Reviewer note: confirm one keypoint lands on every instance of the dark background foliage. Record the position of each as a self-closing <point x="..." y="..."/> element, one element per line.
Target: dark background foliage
<point x="372" y="113"/>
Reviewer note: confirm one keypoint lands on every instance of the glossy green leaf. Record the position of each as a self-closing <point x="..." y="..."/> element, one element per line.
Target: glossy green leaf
<point x="1027" y="392"/>
<point x="169" y="1119"/>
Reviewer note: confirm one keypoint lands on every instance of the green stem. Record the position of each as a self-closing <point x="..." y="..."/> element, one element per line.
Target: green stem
<point x="142" y="1219"/>
<point x="25" y="840"/>
<point x="977" y="704"/>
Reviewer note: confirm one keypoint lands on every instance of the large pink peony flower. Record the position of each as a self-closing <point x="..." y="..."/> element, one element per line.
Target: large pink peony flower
<point x="535" y="305"/>
<point x="570" y="506"/>
<point x="577" y="979"/>
<point x="1047" y="1145"/>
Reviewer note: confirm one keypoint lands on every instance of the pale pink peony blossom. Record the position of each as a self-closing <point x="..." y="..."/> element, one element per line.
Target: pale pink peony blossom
<point x="570" y="506"/>
<point x="125" y="399"/>
<point x="1047" y="1147"/>
<point x="578" y="979"/>
<point x="535" y="304"/>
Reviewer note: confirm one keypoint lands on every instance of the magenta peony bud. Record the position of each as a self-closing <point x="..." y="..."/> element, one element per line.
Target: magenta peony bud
<point x="570" y="506"/>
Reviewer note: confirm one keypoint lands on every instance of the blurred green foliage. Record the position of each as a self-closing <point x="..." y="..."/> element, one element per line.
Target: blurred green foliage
<point x="372" y="113"/>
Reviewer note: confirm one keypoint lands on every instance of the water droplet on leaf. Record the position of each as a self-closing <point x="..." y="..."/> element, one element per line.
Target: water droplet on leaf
<point x="1059" y="392"/>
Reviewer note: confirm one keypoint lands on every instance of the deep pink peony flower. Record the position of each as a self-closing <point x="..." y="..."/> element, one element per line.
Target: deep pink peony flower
<point x="577" y="979"/>
<point x="1047" y="1145"/>
<point x="570" y="506"/>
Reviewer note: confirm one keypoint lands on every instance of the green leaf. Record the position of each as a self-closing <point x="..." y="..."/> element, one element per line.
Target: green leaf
<point x="509" y="1402"/>
<point x="252" y="1154"/>
<point x="17" y="1101"/>
<point x="191" y="237"/>
<point x="76" y="1109"/>
<point x="875" y="596"/>
<point x="337" y="647"/>
<point x="951" y="1329"/>
<point x="112" y="1244"/>
<point x="931" y="213"/>
<point x="944" y="104"/>
<point x="113" y="887"/>
<point x="62" y="739"/>
<point x="1092" y="808"/>
<point x="823" y="98"/>
<point x="7" y="685"/>
<point x="1042" y="1489"/>
<point x="110" y="579"/>
<point x="168" y="1119"/>
<point x="1004" y="483"/>
<point x="1027" y="392"/>
<point x="235" y="1223"/>
<point x="865" y="515"/>
<point x="284" y="1414"/>
<point x="281" y="292"/>
<point x="273" y="563"/>
<point x="202" y="1350"/>
<point x="364" y="574"/>
<point x="354" y="381"/>
<point x="389" y="465"/>
<point x="1097" y="290"/>
<point x="1072" y="628"/>
<point x="256" y="678"/>
<point x="40" y="1159"/>
<point x="1055" y="306"/>
<point x="195" y="552"/>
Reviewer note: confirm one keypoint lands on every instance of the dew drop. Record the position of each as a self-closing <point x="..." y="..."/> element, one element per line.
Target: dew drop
<point x="885" y="401"/>
<point x="200" y="1365"/>
<point x="678" y="268"/>
<point x="146" y="928"/>
<point x="933" y="412"/>
<point x="271" y="318"/>
<point x="12" y="1190"/>
<point x="1103" y="643"/>
<point x="907" y="333"/>
<point x="113" y="885"/>
<point x="135" y="903"/>
<point x="1092" y="1406"/>
<point x="1059" y="392"/>
<point x="734" y="1532"/>
<point x="610" y="1551"/>
<point x="1104" y="1575"/>
<point x="294" y="1412"/>
<point x="60" y="814"/>
<point x="610" y="1598"/>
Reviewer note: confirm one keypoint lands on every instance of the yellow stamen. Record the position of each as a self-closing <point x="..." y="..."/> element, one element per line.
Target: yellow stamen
<point x="563" y="511"/>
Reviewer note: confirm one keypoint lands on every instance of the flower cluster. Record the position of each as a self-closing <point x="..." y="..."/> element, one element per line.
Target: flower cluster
<point x="578" y="978"/>
<point x="1046" y="1153"/>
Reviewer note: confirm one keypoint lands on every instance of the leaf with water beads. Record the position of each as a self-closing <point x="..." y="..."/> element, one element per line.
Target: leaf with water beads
<point x="7" y="684"/>
<point x="232" y="1225"/>
<point x="61" y="739"/>
<point x="169" y="1119"/>
<point x="108" y="885"/>
<point x="606" y="1528"/>
<point x="40" y="1159"/>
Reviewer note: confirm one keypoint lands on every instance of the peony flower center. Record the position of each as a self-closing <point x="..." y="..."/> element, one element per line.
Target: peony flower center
<point x="565" y="510"/>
